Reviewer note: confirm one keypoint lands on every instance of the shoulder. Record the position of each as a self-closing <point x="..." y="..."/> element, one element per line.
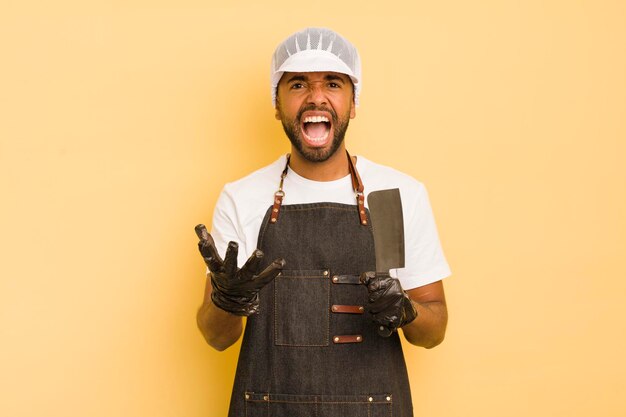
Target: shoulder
<point x="258" y="185"/>
<point x="240" y="208"/>
<point x="380" y="177"/>
<point x="243" y="201"/>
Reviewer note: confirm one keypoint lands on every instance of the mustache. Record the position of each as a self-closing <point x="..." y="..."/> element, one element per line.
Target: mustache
<point x="313" y="107"/>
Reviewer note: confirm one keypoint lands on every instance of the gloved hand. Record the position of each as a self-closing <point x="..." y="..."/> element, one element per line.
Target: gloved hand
<point x="389" y="305"/>
<point x="235" y="290"/>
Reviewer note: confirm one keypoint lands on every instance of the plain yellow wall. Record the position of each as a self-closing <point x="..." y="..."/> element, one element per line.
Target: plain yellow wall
<point x="120" y="122"/>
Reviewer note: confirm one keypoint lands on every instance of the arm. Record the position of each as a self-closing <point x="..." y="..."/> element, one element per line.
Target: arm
<point x="230" y="292"/>
<point x="429" y="328"/>
<point x="219" y="328"/>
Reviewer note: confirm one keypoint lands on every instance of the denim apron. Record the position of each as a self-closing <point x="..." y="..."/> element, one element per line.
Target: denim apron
<point x="311" y="351"/>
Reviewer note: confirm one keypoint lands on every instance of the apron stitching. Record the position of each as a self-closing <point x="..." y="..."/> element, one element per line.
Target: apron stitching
<point x="318" y="402"/>
<point x="321" y="207"/>
<point x="328" y="309"/>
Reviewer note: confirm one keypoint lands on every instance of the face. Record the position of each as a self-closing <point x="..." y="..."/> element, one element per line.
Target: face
<point x="315" y="109"/>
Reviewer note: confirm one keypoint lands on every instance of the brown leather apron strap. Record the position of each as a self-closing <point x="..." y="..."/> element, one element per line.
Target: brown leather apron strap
<point x="345" y="309"/>
<point x="347" y="279"/>
<point x="357" y="185"/>
<point x="278" y="195"/>
<point x="349" y="338"/>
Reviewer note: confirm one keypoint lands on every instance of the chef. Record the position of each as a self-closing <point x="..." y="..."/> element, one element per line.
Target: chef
<point x="295" y="248"/>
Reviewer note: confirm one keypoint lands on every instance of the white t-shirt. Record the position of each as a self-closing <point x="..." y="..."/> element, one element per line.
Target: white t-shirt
<point x="242" y="205"/>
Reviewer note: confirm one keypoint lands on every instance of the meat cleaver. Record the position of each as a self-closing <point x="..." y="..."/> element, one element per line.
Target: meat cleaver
<point x="385" y="207"/>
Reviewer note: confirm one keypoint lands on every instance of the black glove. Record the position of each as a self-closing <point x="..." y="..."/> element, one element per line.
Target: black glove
<point x="389" y="305"/>
<point x="235" y="290"/>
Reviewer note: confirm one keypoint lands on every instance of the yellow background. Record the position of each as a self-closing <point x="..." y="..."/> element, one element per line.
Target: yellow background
<point x="120" y="121"/>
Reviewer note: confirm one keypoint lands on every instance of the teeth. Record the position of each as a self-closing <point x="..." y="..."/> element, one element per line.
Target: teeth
<point x="318" y="140"/>
<point x="316" y="119"/>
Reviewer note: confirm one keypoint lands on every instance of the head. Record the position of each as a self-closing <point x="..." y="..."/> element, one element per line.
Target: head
<point x="316" y="80"/>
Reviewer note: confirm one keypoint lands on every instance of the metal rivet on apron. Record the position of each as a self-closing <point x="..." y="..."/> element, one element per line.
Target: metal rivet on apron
<point x="335" y="278"/>
<point x="362" y="211"/>
<point x="370" y="399"/>
<point x="273" y="220"/>
<point x="275" y="210"/>
<point x="382" y="328"/>
<point x="325" y="273"/>
<point x="364" y="222"/>
<point x="247" y="396"/>
<point x="336" y="339"/>
<point x="360" y="308"/>
<point x="388" y="398"/>
<point x="266" y="398"/>
<point x="359" y="338"/>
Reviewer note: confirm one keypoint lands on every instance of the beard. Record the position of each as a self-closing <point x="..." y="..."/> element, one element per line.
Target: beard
<point x="293" y="131"/>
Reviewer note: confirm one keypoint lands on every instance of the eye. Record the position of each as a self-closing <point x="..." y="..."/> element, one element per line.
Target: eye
<point x="296" y="86"/>
<point x="334" y="85"/>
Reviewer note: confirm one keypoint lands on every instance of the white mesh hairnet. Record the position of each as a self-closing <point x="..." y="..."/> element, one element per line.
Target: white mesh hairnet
<point x="313" y="50"/>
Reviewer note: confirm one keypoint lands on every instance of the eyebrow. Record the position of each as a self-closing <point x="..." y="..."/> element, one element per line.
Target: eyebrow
<point x="329" y="77"/>
<point x="296" y="78"/>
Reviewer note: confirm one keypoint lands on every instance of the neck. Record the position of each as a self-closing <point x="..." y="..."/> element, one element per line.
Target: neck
<point x="333" y="168"/>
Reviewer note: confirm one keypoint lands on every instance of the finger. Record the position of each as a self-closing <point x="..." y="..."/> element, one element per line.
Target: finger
<point x="251" y="267"/>
<point x="366" y="277"/>
<point x="230" y="259"/>
<point x="269" y="273"/>
<point x="206" y="245"/>
<point x="376" y="287"/>
<point x="202" y="232"/>
<point x="214" y="265"/>
<point x="382" y="302"/>
<point x="388" y="320"/>
<point x="208" y="250"/>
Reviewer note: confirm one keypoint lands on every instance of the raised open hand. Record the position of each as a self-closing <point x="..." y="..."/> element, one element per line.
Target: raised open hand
<point x="235" y="290"/>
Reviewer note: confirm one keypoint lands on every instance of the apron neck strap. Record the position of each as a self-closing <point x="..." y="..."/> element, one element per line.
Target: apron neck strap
<point x="357" y="186"/>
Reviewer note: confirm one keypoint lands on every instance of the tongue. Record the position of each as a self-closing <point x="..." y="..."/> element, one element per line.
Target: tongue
<point x="315" y="130"/>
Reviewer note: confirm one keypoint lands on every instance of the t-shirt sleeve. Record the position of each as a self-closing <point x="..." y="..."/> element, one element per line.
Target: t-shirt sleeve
<point x="425" y="262"/>
<point x="225" y="226"/>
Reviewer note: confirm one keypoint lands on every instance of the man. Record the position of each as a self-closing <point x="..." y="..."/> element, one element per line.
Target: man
<point x="321" y="334"/>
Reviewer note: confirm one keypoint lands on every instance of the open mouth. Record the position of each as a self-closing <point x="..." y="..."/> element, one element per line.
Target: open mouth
<point x="316" y="129"/>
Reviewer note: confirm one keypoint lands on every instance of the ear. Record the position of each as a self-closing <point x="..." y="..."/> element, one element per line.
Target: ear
<point x="277" y="108"/>
<point x="353" y="104"/>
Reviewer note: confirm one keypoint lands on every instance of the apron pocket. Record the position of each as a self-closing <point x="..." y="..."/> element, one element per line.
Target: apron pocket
<point x="288" y="405"/>
<point x="302" y="308"/>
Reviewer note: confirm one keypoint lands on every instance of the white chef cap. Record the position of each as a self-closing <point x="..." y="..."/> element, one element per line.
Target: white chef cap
<point x="316" y="50"/>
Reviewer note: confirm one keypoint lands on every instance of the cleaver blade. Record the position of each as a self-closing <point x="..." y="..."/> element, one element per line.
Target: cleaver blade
<point x="385" y="207"/>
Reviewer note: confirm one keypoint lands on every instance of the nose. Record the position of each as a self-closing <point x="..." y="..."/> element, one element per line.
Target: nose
<point x="317" y="94"/>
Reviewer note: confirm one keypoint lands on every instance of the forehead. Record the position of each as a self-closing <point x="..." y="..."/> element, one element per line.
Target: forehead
<point x="314" y="76"/>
